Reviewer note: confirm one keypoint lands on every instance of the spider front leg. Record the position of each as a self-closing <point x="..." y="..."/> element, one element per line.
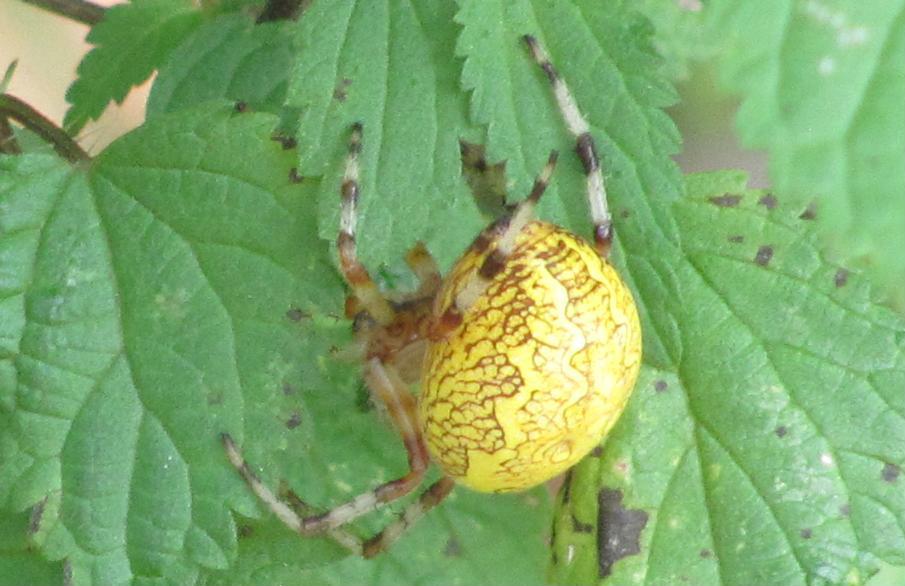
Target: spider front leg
<point x="499" y="238"/>
<point x="585" y="147"/>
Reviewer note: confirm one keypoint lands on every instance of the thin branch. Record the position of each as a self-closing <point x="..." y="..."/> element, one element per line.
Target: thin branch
<point x="78" y="10"/>
<point x="15" y="109"/>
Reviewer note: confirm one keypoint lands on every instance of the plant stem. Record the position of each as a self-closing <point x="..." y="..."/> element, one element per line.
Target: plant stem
<point x="13" y="108"/>
<point x="78" y="10"/>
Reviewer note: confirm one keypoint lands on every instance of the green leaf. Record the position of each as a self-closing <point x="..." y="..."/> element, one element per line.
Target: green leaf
<point x="823" y="86"/>
<point x="391" y="66"/>
<point x="679" y="37"/>
<point x="135" y="316"/>
<point x="8" y="75"/>
<point x="228" y="57"/>
<point x="771" y="453"/>
<point x="131" y="41"/>
<point x="18" y="563"/>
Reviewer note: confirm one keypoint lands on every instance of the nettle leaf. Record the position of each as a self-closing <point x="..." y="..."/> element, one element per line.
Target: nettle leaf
<point x="772" y="453"/>
<point x="391" y="66"/>
<point x="823" y="88"/>
<point x="147" y="295"/>
<point x="132" y="40"/>
<point x="229" y="57"/>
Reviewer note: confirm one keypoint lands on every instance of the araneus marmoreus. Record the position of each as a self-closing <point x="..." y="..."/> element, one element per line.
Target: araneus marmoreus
<point x="527" y="351"/>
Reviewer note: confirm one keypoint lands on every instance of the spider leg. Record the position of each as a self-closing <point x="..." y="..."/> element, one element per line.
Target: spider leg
<point x="503" y="233"/>
<point x="382" y="541"/>
<point x="584" y="146"/>
<point x="286" y="510"/>
<point x="290" y="509"/>
<point x="425" y="268"/>
<point x="428" y="500"/>
<point x="356" y="275"/>
<point x="387" y="385"/>
<point x="341" y="535"/>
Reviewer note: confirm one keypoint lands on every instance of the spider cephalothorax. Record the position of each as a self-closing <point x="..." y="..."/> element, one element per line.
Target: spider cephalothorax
<point x="526" y="351"/>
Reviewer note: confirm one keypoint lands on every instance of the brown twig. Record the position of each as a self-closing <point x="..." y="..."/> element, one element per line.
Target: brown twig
<point x="78" y="10"/>
<point x="13" y="108"/>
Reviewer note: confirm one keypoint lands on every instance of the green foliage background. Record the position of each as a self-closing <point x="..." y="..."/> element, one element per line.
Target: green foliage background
<point x="183" y="284"/>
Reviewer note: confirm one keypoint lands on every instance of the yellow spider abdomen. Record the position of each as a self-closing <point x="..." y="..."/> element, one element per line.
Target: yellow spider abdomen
<point x="538" y="371"/>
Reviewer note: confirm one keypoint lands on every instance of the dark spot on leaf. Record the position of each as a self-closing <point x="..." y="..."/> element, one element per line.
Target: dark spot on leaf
<point x="339" y="92"/>
<point x="618" y="530"/>
<point x="768" y="201"/>
<point x="37" y="514"/>
<point x="625" y="213"/>
<point x="241" y="107"/>
<point x="296" y="314"/>
<point x="660" y="386"/>
<point x="67" y="572"/>
<point x="763" y="256"/>
<point x="726" y="200"/>
<point x="288" y="389"/>
<point x="294" y="420"/>
<point x="806" y="533"/>
<point x="215" y="398"/>
<point x="706" y="553"/>
<point x="276" y="10"/>
<point x="781" y="431"/>
<point x="597" y="451"/>
<point x="294" y="176"/>
<point x="809" y="212"/>
<point x="363" y="399"/>
<point x="286" y="141"/>
<point x="736" y="239"/>
<point x="567" y="487"/>
<point x="580" y="527"/>
<point x="453" y="548"/>
<point x="244" y="530"/>
<point x="845" y="510"/>
<point x="891" y="472"/>
<point x="841" y="278"/>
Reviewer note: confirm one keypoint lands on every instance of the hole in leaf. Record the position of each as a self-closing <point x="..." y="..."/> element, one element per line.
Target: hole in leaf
<point x="840" y="278"/>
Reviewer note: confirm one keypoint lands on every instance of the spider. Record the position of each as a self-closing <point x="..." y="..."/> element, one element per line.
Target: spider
<point x="526" y="351"/>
